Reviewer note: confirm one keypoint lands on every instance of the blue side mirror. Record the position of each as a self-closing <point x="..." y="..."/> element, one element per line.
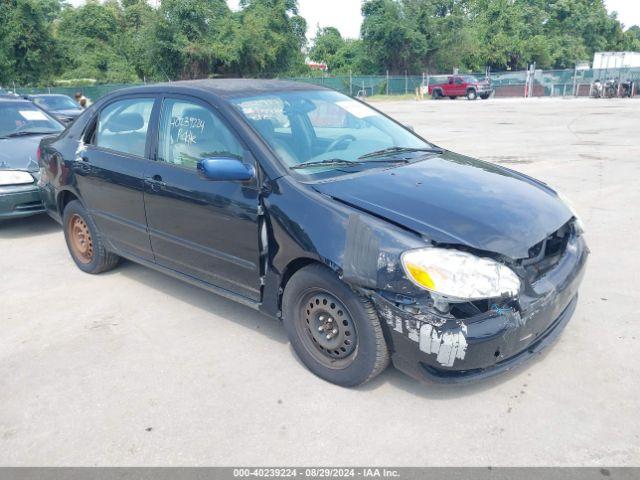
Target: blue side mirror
<point x="225" y="169"/>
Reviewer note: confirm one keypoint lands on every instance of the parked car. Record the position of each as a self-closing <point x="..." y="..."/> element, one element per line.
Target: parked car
<point x="60" y="106"/>
<point x="455" y="86"/>
<point x="369" y="242"/>
<point x="22" y="126"/>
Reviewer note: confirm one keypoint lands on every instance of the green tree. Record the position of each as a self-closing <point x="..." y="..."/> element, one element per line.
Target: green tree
<point x="89" y="38"/>
<point x="193" y="38"/>
<point x="137" y="37"/>
<point x="27" y="48"/>
<point x="270" y="36"/>
<point x="341" y="55"/>
<point x="632" y="39"/>
<point x="390" y="39"/>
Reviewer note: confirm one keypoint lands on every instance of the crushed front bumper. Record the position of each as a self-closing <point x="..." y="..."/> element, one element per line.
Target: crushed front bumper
<point x="438" y="348"/>
<point x="20" y="201"/>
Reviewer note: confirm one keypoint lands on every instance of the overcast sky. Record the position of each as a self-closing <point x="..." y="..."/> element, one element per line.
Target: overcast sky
<point x="345" y="14"/>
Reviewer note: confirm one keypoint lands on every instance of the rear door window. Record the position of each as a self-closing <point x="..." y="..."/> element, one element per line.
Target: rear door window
<point x="122" y="126"/>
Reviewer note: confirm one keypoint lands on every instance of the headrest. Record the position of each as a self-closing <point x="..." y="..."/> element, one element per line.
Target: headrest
<point x="125" y="122"/>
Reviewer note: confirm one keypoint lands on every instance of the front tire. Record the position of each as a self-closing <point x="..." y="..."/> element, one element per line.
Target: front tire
<point x="472" y="95"/>
<point x="333" y="330"/>
<point x="84" y="241"/>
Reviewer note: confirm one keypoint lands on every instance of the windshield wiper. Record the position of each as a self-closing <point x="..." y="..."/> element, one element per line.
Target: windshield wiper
<point x="24" y="133"/>
<point x="331" y="162"/>
<point x="347" y="163"/>
<point x="394" y="150"/>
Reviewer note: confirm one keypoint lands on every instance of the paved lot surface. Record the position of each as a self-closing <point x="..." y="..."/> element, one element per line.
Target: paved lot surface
<point x="135" y="368"/>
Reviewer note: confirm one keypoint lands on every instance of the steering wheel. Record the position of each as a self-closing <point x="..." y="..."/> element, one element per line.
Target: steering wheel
<point x="340" y="140"/>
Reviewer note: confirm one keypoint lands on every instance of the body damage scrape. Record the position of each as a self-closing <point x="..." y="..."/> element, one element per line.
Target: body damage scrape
<point x="443" y="335"/>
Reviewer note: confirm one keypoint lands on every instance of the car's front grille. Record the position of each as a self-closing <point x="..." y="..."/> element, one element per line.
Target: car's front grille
<point x="544" y="256"/>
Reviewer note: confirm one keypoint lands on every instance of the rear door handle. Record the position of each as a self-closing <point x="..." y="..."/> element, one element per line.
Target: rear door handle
<point x="155" y="182"/>
<point x="83" y="166"/>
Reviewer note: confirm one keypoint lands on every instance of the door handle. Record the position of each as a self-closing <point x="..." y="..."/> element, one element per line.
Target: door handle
<point x="155" y="182"/>
<point x="83" y="166"/>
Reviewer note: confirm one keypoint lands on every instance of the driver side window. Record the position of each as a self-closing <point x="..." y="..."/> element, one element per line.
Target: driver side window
<point x="190" y="132"/>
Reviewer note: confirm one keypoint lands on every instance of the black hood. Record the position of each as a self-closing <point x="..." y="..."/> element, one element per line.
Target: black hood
<point x="19" y="153"/>
<point x="453" y="199"/>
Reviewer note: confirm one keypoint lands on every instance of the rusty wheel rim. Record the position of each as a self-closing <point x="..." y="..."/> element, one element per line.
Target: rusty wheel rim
<point x="80" y="239"/>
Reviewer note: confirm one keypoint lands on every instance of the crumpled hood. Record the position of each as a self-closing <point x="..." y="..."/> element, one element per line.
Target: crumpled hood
<point x="19" y="153"/>
<point x="454" y="199"/>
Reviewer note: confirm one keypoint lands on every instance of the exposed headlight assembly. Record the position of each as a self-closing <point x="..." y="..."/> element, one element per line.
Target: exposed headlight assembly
<point x="15" y="177"/>
<point x="458" y="275"/>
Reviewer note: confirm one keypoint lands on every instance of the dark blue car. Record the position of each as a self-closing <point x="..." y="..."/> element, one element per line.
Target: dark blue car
<point x="370" y="243"/>
<point x="22" y="126"/>
<point x="62" y="107"/>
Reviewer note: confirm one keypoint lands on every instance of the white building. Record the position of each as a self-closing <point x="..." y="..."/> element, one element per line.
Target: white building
<point x="613" y="60"/>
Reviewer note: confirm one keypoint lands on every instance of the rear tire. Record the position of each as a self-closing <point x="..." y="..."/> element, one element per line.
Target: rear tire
<point x="334" y="331"/>
<point x="453" y="97"/>
<point x="85" y="244"/>
<point x="436" y="95"/>
<point x="472" y="95"/>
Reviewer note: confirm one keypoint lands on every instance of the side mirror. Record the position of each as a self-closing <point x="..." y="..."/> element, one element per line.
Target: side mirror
<point x="225" y="169"/>
<point x="410" y="127"/>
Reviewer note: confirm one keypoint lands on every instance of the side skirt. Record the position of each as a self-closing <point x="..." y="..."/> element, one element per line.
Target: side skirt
<point x="189" y="279"/>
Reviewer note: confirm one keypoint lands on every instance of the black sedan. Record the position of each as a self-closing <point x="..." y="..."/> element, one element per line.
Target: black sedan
<point x="370" y="243"/>
<point x="60" y="106"/>
<point x="22" y="126"/>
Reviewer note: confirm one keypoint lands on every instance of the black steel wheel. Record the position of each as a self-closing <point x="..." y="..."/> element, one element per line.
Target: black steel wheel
<point x="334" y="331"/>
<point x="329" y="331"/>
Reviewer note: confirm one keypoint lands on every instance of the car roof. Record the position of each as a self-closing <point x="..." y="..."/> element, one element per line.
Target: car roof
<point x="11" y="99"/>
<point x="224" y="88"/>
<point x="43" y="95"/>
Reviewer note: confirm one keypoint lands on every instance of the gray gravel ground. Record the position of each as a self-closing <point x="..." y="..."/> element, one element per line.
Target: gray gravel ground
<point x="135" y="368"/>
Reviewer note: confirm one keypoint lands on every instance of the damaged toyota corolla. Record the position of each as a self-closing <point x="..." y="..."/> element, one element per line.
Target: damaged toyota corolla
<point x="370" y="243"/>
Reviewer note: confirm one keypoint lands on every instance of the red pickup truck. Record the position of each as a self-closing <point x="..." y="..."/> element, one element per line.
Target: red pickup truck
<point x="454" y="86"/>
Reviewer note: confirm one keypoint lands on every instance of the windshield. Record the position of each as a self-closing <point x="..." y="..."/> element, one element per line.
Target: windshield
<point x="470" y="79"/>
<point x="331" y="132"/>
<point x="58" y="102"/>
<point x="22" y="118"/>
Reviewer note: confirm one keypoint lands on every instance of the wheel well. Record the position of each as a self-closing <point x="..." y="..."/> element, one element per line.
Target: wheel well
<point x="63" y="199"/>
<point x="290" y="270"/>
<point x="471" y="89"/>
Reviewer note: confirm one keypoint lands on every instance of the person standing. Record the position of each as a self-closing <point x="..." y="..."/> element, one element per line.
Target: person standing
<point x="81" y="100"/>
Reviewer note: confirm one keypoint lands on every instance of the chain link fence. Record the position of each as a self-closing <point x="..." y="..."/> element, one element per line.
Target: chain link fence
<point x="548" y="83"/>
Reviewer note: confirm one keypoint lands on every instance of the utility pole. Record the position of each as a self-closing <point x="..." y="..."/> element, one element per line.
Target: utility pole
<point x="350" y="83"/>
